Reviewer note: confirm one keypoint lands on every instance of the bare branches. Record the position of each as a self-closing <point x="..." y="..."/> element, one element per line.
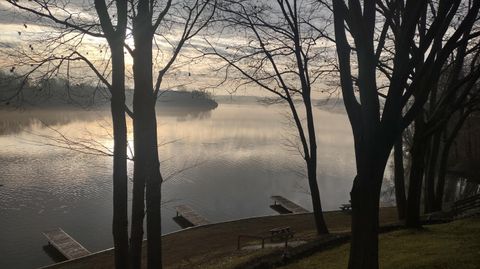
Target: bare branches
<point x="281" y="50"/>
<point x="416" y="39"/>
<point x="69" y="45"/>
<point x="195" y="21"/>
<point x="51" y="11"/>
<point x="104" y="17"/>
<point x="437" y="57"/>
<point x="267" y="49"/>
<point x="343" y="52"/>
<point x="162" y="14"/>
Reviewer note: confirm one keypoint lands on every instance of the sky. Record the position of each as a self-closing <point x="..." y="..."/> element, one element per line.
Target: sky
<point x="23" y="32"/>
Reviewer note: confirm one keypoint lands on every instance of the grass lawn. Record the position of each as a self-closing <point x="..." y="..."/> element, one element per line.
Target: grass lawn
<point x="453" y="245"/>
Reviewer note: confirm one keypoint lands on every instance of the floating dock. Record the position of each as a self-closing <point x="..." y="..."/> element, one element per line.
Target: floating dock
<point x="65" y="244"/>
<point x="284" y="206"/>
<point x="187" y="217"/>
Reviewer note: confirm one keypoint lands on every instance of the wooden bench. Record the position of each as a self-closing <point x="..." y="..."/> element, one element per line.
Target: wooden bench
<point x="281" y="233"/>
<point x="346" y="207"/>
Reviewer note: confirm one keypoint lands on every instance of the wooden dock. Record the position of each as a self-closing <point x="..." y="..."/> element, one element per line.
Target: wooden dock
<point x="65" y="244"/>
<point x="284" y="206"/>
<point x="187" y="217"/>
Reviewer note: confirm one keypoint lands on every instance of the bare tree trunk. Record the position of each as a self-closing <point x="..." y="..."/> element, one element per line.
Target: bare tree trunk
<point x="364" y="244"/>
<point x="438" y="203"/>
<point x="138" y="211"/>
<point x="365" y="197"/>
<point x="116" y="39"/>
<point x="147" y="165"/>
<point x="430" y="174"/>
<point x="120" y="182"/>
<point x="154" y="223"/>
<point x="399" y="178"/>
<point x="372" y="153"/>
<point x="140" y="128"/>
<point x="450" y="189"/>
<point x="320" y="224"/>
<point x="310" y="151"/>
<point x="416" y="176"/>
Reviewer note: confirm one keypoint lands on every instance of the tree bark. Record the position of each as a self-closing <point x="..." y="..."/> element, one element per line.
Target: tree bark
<point x="438" y="203"/>
<point x="116" y="39"/>
<point x="311" y="154"/>
<point x="140" y="128"/>
<point x="364" y="244"/>
<point x="365" y="197"/>
<point x="120" y="182"/>
<point x="399" y="178"/>
<point x="416" y="176"/>
<point x="147" y="166"/>
<point x="310" y="151"/>
<point x="431" y="169"/>
<point x="320" y="224"/>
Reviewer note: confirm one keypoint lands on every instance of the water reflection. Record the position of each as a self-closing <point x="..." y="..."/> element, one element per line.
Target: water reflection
<point x="233" y="159"/>
<point x="14" y="121"/>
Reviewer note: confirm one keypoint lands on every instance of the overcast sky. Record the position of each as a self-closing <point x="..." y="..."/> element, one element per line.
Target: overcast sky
<point x="21" y="30"/>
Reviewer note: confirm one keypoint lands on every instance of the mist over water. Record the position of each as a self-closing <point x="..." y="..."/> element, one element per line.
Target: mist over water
<point x="224" y="163"/>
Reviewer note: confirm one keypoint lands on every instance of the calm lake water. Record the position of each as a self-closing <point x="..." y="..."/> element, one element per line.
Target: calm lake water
<point x="232" y="159"/>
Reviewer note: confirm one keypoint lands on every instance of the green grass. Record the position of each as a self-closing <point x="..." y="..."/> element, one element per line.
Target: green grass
<point x="445" y="246"/>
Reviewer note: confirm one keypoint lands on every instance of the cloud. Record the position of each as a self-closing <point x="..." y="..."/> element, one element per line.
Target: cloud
<point x="77" y="11"/>
<point x="8" y="45"/>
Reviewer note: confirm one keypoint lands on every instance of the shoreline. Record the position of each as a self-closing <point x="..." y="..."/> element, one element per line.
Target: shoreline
<point x="221" y="238"/>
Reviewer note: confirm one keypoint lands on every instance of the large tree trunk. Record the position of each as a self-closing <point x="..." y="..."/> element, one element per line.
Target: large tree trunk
<point x="120" y="182"/>
<point x="141" y="69"/>
<point x="364" y="245"/>
<point x="138" y="209"/>
<point x="116" y="39"/>
<point x="139" y="172"/>
<point x="416" y="177"/>
<point x="365" y="197"/>
<point x="147" y="168"/>
<point x="399" y="178"/>
<point x="147" y="165"/>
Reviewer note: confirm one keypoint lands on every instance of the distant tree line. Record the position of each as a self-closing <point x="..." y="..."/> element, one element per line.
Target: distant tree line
<point x="59" y="91"/>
